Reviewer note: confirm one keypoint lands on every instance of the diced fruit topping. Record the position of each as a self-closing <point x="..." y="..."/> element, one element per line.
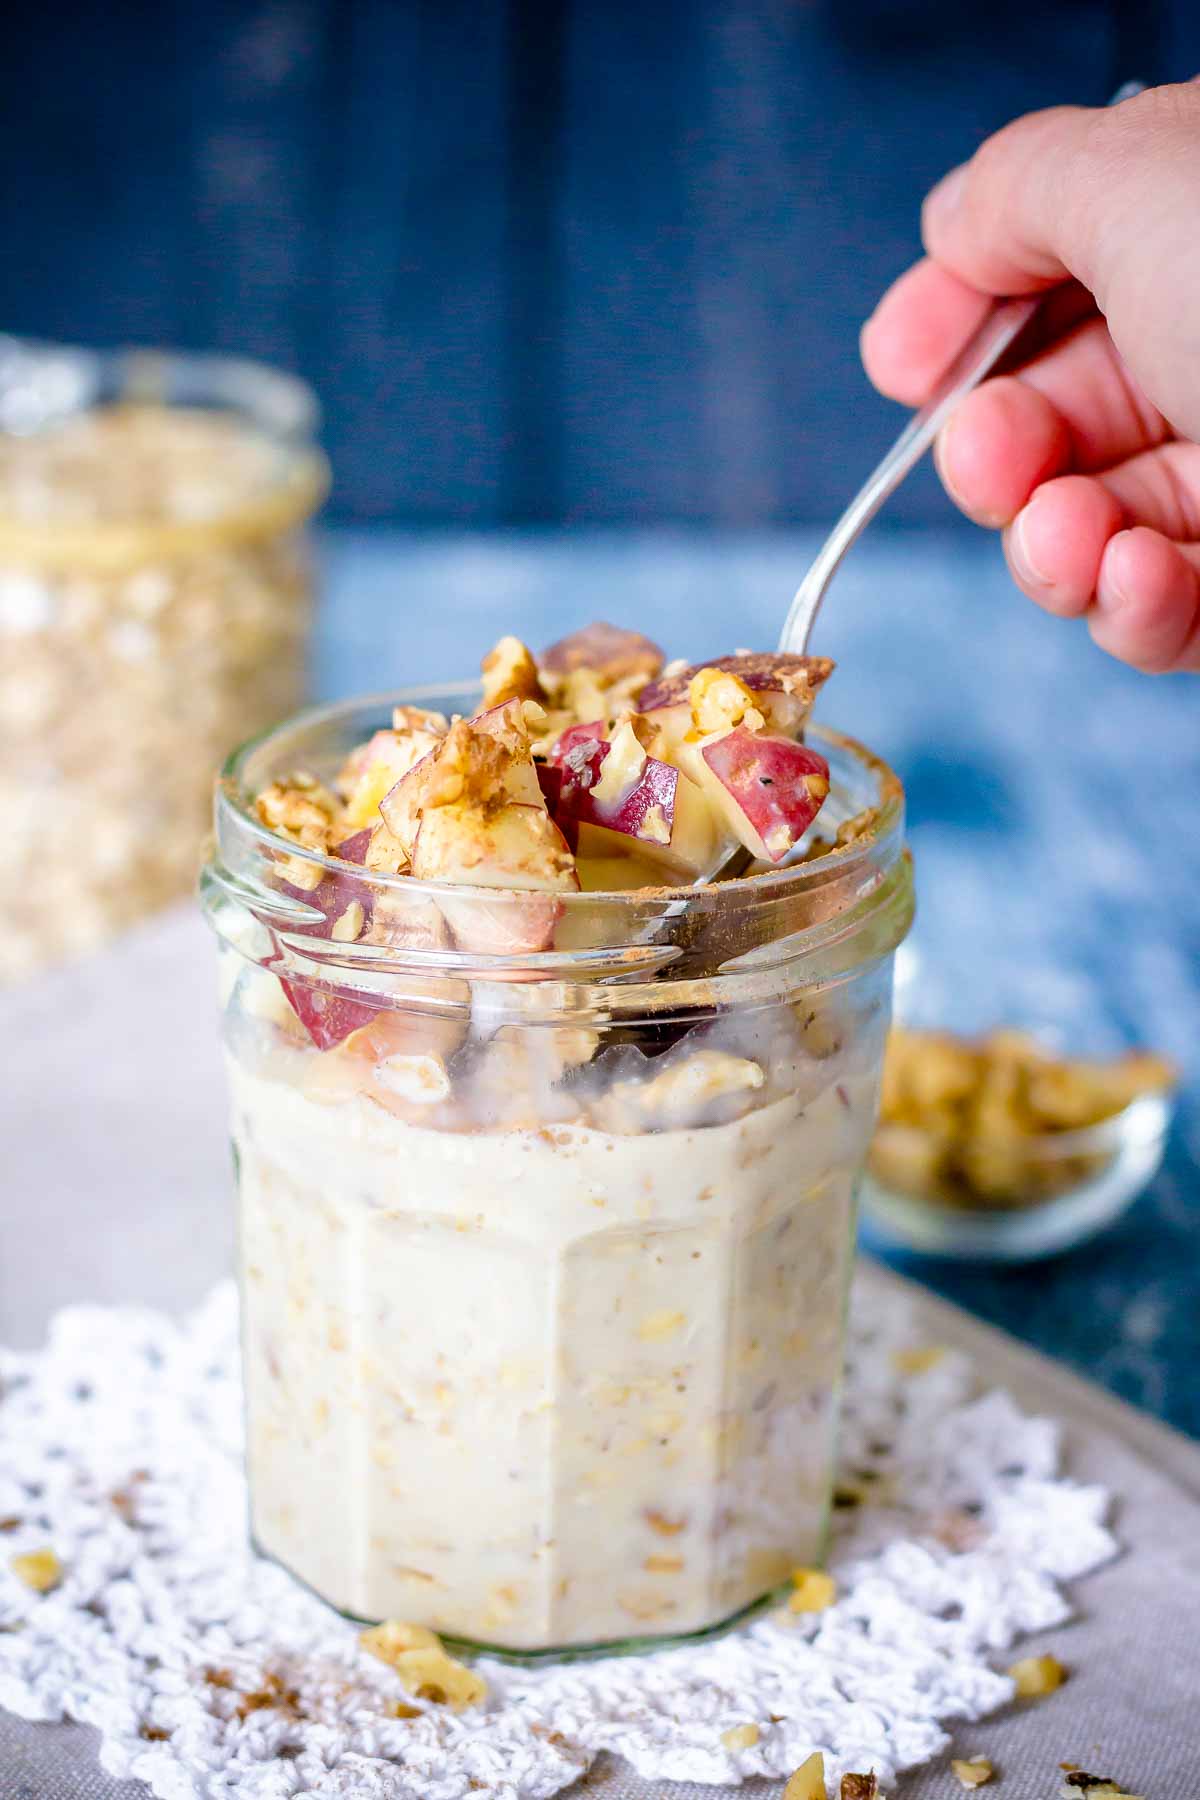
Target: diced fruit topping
<point x="609" y="652"/>
<point x="785" y="686"/>
<point x="510" y="673"/>
<point x="383" y="853"/>
<point x="512" y="846"/>
<point x="768" y="790"/>
<point x="618" y="795"/>
<point x="579" y="744"/>
<point x="370" y="772"/>
<point x="719" y="700"/>
<point x="481" y="765"/>
<point x="592" y="767"/>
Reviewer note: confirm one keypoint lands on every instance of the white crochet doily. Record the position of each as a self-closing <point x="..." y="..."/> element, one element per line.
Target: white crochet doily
<point x="119" y="1449"/>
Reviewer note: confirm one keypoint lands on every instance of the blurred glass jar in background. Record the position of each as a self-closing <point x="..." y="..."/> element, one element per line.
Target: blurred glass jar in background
<point x="155" y="601"/>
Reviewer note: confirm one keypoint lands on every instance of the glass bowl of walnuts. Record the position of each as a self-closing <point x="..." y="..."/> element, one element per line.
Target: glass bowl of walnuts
<point x="1002" y="1146"/>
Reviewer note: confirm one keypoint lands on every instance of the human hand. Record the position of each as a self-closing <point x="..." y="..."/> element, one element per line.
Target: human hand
<point x="1087" y="452"/>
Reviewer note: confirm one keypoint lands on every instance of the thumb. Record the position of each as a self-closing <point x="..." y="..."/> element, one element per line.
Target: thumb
<point x="1107" y="196"/>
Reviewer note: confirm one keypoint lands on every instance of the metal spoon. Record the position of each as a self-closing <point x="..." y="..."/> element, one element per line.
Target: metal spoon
<point x="1001" y="325"/>
<point x="978" y="357"/>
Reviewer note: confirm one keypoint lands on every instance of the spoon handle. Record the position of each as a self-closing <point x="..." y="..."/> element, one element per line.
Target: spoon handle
<point x="977" y="358"/>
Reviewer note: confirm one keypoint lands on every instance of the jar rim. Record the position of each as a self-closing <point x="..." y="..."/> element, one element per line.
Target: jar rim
<point x="760" y="920"/>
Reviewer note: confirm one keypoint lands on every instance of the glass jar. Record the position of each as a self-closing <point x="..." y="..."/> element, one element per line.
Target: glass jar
<point x="154" y="609"/>
<point x="544" y="1254"/>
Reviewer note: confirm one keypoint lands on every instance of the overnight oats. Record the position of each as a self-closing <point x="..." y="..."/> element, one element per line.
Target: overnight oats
<point x="547" y="1142"/>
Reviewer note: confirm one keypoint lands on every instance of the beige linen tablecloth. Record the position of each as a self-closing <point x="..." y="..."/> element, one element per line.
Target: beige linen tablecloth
<point x="116" y="1187"/>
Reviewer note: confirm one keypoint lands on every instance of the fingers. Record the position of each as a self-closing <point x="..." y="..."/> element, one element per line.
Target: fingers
<point x="1055" y="546"/>
<point x="1139" y="590"/>
<point x="1147" y="608"/>
<point x="1075" y="407"/>
<point x="926" y="317"/>
<point x="1161" y="489"/>
<point x="998" y="221"/>
<point x="1106" y="413"/>
<point x="1107" y="197"/>
<point x="1002" y="442"/>
<point x="917" y="329"/>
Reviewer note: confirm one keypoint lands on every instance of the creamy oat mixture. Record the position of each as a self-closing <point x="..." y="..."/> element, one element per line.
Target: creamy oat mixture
<point x="542" y="1322"/>
<point x="543" y="1387"/>
<point x="129" y="661"/>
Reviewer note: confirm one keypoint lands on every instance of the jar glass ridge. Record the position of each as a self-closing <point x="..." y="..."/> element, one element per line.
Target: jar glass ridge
<point x="544" y="1256"/>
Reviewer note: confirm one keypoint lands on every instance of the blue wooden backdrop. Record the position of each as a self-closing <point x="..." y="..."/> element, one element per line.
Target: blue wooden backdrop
<point x="547" y="259"/>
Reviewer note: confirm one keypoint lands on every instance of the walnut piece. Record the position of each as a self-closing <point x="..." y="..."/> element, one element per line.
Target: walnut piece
<point x="813" y="1591"/>
<point x="424" y="1668"/>
<point x="859" y="1787"/>
<point x="808" y="1782"/>
<point x="973" y="1772"/>
<point x="1037" y="1675"/>
<point x="964" y="1123"/>
<point x="1096" y="1787"/>
<point x="719" y="700"/>
<point x="612" y="653"/>
<point x="299" y="808"/>
<point x="38" y="1569"/>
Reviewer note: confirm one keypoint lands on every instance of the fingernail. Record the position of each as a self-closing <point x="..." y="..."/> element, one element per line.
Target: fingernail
<point x="941" y="201"/>
<point x="1023" y="564"/>
<point x="1111" y="596"/>
<point x="941" y="460"/>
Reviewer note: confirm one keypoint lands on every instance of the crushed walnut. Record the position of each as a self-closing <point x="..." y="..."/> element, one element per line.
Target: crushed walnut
<point x="973" y="1772"/>
<point x="1037" y="1675"/>
<point x="971" y="1123"/>
<point x="585" y="768"/>
<point x="813" y="1591"/>
<point x="423" y="1665"/>
<point x="275" y="1695"/>
<point x="38" y="1569"/>
<point x="808" y="1782"/>
<point x="859" y="1787"/>
<point x="1096" y="1787"/>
